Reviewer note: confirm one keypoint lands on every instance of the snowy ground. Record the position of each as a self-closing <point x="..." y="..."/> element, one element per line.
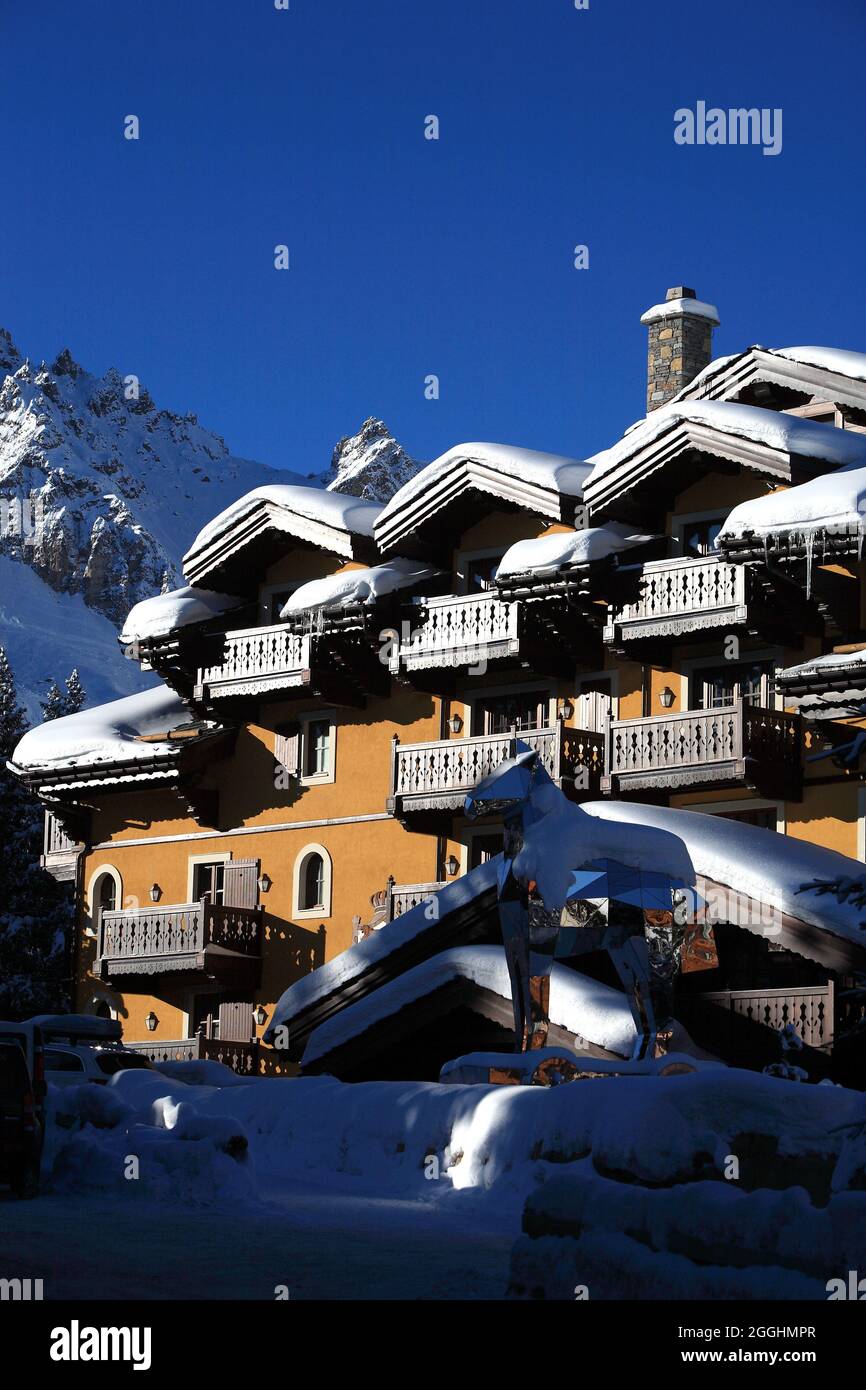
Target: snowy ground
<point x="412" y="1190"/>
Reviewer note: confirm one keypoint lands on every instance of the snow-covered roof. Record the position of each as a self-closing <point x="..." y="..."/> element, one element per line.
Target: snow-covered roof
<point x="839" y="360"/>
<point x="672" y="308"/>
<point x="752" y="861"/>
<point x="364" y="956"/>
<point x="352" y="586"/>
<point x="548" y="554"/>
<point x="787" y="434"/>
<point x="831" y="503"/>
<point x="832" y="686"/>
<point x="105" y="734"/>
<point x="329" y="520"/>
<point x="158" y="616"/>
<point x="537" y="482"/>
<point x="824" y="666"/>
<point x="333" y="508"/>
<point x="595" y="1012"/>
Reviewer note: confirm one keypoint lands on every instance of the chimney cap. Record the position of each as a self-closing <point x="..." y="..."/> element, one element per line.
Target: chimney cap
<point x="681" y="303"/>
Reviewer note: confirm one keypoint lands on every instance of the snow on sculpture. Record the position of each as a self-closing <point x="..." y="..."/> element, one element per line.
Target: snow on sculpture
<point x="570" y="884"/>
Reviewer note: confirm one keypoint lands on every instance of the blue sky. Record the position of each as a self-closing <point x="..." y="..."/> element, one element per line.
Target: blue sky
<point x="408" y="256"/>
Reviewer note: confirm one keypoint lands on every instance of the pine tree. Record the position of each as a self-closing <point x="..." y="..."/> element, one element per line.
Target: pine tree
<point x="75" y="693"/>
<point x="54" y="704"/>
<point x="36" y="913"/>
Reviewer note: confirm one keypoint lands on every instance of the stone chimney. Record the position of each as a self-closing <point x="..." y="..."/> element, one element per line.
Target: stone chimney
<point x="680" y="343"/>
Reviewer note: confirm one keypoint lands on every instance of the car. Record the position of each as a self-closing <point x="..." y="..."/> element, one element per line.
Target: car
<point x="76" y="1063"/>
<point x="21" y="1129"/>
<point x="29" y="1037"/>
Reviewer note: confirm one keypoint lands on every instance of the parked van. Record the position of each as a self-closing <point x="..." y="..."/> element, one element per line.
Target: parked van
<point x="21" y="1128"/>
<point x="28" y="1036"/>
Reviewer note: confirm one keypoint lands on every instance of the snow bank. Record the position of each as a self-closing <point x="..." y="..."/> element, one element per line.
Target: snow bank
<point x="787" y="433"/>
<point x="356" y="586"/>
<point x="547" y="554"/>
<point x="156" y="617"/>
<point x="364" y="955"/>
<point x="676" y="308"/>
<point x="834" y="503"/>
<point x="751" y="860"/>
<point x="593" y="1011"/>
<point x="553" y="471"/>
<point x="335" y="509"/>
<point x="107" y="733"/>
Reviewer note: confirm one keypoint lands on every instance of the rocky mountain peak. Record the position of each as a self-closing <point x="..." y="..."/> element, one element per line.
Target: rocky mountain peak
<point x="370" y="464"/>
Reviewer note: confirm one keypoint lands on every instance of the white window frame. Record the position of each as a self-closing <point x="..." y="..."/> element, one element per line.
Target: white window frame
<point x="266" y="593"/>
<point x="201" y="859"/>
<point x="327" y="889"/>
<point x="693" y="665"/>
<point x="491" y="691"/>
<point x="744" y="803"/>
<point x="314" y="779"/>
<point x="94" y="879"/>
<point x="612" y="676"/>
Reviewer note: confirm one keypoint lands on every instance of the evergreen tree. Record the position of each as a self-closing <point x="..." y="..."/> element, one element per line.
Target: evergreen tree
<point x="36" y="913"/>
<point x="75" y="693"/>
<point x="54" y="704"/>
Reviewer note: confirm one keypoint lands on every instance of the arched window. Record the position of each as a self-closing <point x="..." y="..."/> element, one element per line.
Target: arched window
<point x="312" y="886"/>
<point x="313" y="883"/>
<point x="104" y="895"/>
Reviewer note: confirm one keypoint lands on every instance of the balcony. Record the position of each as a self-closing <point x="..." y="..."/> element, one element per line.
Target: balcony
<point x="195" y="942"/>
<point x="60" y="853"/>
<point x="458" y="633"/>
<point x="687" y="598"/>
<point x="435" y="777"/>
<point x="741" y="744"/>
<point x="256" y="661"/>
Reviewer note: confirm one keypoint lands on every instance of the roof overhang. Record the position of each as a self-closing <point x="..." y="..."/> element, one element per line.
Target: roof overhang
<point x="734" y="378"/>
<point x="263" y="531"/>
<point x="681" y="450"/>
<point x="469" y="484"/>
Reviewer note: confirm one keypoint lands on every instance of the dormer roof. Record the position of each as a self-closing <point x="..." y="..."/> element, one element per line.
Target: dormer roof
<point x="260" y="522"/>
<point x="795" y="373"/>
<point x="465" y="479"/>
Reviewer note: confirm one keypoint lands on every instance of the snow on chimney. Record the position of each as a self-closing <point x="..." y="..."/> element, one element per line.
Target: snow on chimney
<point x="680" y="343"/>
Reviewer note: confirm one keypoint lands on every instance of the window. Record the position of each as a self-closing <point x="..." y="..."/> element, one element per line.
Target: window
<point x="523" y="711"/>
<point x="276" y="602"/>
<point x="205" y="1015"/>
<point x="481" y="573"/>
<point x="484" y="847"/>
<point x="207" y="881"/>
<point x="698" y="537"/>
<point x="312" y="882"/>
<point x="764" y="816"/>
<point x="317" y="748"/>
<point x="55" y="1060"/>
<point x="719" y="687"/>
<point x="111" y="1062"/>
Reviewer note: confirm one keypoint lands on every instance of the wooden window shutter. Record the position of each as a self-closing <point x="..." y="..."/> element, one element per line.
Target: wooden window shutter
<point x="236" y="1022"/>
<point x="287" y="749"/>
<point x="241" y="883"/>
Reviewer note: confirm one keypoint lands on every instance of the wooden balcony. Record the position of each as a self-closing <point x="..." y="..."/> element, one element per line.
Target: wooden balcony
<point x="457" y="633"/>
<point x="436" y="777"/>
<point x="60" y="853"/>
<point x="687" y="598"/>
<point x="196" y="942"/>
<point x="244" y="1058"/>
<point x="256" y="661"/>
<point x="402" y="897"/>
<point x="741" y="744"/>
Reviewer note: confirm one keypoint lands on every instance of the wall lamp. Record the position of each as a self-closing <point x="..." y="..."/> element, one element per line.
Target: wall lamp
<point x="151" y="1022"/>
<point x="260" y="1015"/>
<point x="455" y="723"/>
<point x="666" y="697"/>
<point x="265" y="882"/>
<point x="452" y="864"/>
<point x="154" y="893"/>
<point x="566" y="709"/>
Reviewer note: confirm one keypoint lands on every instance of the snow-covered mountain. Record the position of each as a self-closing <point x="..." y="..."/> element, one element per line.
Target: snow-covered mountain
<point x="119" y="488"/>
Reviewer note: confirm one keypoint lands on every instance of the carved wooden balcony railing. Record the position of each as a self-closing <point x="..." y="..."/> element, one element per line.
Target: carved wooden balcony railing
<point x="244" y="1058"/>
<point x="681" y="597"/>
<point x="60" y="853"/>
<point x="255" y="661"/>
<point x="462" y="631"/>
<point x="402" y="897"/>
<point x="740" y="743"/>
<point x="436" y="776"/>
<point x="200" y="940"/>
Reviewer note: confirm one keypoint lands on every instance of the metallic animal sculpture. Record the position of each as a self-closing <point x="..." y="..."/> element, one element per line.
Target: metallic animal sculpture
<point x="643" y="941"/>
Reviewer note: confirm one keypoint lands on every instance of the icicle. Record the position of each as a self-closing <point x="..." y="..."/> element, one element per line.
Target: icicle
<point x="860" y="541"/>
<point x="810" y="550"/>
